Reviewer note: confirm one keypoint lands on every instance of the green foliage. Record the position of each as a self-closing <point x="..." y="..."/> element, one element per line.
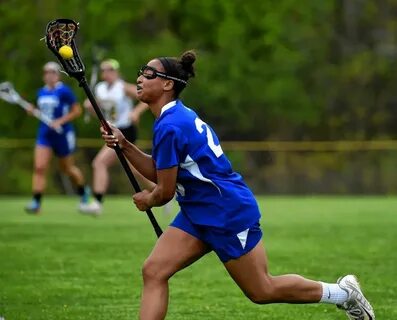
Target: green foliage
<point x="324" y="68"/>
<point x="277" y="70"/>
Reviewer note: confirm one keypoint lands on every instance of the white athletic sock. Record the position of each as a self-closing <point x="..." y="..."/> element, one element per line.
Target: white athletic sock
<point x="332" y="293"/>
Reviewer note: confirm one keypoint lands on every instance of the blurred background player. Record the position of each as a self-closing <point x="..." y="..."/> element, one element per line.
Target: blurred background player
<point x="57" y="101"/>
<point x="115" y="97"/>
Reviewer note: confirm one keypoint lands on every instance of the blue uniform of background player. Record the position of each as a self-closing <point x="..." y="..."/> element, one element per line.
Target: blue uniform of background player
<point x="218" y="211"/>
<point x="55" y="103"/>
<point x="58" y="103"/>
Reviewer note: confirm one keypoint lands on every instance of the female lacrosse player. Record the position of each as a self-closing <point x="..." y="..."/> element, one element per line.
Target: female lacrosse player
<point x="57" y="102"/>
<point x="114" y="96"/>
<point x="218" y="211"/>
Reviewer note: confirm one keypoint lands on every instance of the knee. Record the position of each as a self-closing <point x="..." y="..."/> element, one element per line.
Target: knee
<point x="264" y="295"/>
<point x="66" y="169"/>
<point x="98" y="164"/>
<point x="153" y="271"/>
<point x="39" y="169"/>
<point x="260" y="297"/>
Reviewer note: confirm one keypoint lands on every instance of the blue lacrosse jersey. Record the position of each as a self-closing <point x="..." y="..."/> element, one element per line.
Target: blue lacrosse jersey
<point x="55" y="103"/>
<point x="209" y="192"/>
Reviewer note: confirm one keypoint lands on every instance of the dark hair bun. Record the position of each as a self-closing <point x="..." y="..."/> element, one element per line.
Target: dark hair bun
<point x="187" y="59"/>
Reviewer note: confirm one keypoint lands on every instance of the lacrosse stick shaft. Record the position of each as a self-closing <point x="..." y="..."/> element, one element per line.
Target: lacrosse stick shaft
<point x="39" y="115"/>
<point x="120" y="155"/>
<point x="8" y="93"/>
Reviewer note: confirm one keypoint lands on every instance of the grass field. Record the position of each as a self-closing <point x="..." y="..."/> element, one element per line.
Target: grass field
<point x="62" y="265"/>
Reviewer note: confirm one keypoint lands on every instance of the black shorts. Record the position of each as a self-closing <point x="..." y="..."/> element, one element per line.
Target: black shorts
<point x="130" y="133"/>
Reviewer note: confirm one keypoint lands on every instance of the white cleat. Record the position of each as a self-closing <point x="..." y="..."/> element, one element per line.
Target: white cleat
<point x="357" y="306"/>
<point x="94" y="208"/>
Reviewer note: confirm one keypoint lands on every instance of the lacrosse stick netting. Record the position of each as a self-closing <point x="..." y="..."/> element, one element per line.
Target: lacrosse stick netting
<point x="8" y="93"/>
<point x="59" y="33"/>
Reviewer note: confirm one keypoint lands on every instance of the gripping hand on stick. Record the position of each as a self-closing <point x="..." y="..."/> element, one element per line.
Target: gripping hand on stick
<point x="113" y="139"/>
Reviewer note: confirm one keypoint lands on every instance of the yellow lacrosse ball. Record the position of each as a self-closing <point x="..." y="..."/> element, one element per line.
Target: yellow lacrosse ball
<point x="66" y="52"/>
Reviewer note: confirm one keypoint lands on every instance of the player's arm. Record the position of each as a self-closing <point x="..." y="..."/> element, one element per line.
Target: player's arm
<point x="163" y="192"/>
<point x="135" y="114"/>
<point x="141" y="161"/>
<point x="67" y="96"/>
<point x="168" y="147"/>
<point x="130" y="90"/>
<point x="88" y="106"/>
<point x="75" y="112"/>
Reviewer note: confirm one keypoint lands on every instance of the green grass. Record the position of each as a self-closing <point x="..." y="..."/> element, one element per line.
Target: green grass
<point x="62" y="265"/>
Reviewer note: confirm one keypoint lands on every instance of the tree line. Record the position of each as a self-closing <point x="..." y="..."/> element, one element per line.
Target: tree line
<point x="275" y="70"/>
<point x="266" y="69"/>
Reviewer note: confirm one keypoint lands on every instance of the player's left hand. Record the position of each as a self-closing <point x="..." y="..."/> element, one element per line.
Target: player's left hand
<point x="142" y="200"/>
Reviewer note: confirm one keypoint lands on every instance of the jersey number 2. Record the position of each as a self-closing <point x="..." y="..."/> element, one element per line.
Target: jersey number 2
<point x="216" y="149"/>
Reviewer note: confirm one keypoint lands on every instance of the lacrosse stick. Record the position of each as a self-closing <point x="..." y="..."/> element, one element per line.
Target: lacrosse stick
<point x="61" y="32"/>
<point x="8" y="94"/>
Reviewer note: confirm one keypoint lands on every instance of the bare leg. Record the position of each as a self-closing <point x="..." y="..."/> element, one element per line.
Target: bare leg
<point x="174" y="251"/>
<point x="69" y="168"/>
<point x="250" y="272"/>
<point x="42" y="157"/>
<point x="105" y="158"/>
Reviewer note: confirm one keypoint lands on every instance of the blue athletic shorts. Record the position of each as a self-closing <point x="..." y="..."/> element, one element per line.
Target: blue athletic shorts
<point x="225" y="243"/>
<point x="62" y="144"/>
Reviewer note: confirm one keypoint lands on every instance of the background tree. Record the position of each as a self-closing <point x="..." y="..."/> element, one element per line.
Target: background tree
<point x="321" y="70"/>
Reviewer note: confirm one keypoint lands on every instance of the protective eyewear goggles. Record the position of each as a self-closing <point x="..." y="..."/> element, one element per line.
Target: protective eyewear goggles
<point x="151" y="73"/>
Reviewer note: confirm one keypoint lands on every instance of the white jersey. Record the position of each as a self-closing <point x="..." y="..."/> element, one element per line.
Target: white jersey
<point x="114" y="102"/>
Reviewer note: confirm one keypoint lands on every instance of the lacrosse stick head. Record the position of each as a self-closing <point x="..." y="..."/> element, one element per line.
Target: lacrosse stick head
<point x="8" y="93"/>
<point x="59" y="33"/>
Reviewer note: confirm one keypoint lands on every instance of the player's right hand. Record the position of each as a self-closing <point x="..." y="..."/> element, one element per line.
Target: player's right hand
<point x="116" y="137"/>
